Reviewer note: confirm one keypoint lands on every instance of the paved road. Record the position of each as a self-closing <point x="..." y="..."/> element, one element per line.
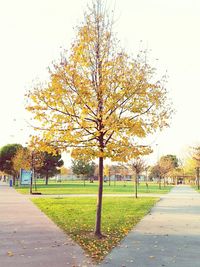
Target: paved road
<point x="168" y="236"/>
<point x="29" y="239"/>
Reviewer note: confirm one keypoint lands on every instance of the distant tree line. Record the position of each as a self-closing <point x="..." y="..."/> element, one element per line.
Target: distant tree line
<point x="14" y="157"/>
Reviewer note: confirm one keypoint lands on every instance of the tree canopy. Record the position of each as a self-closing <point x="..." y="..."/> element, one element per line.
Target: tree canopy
<point x="170" y="159"/>
<point x="138" y="165"/>
<point x="50" y="166"/>
<point x="99" y="100"/>
<point x="7" y="153"/>
<point x="196" y="155"/>
<point x="21" y="159"/>
<point x="165" y="166"/>
<point x="81" y="167"/>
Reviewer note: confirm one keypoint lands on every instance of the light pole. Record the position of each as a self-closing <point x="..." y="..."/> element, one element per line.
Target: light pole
<point x="32" y="173"/>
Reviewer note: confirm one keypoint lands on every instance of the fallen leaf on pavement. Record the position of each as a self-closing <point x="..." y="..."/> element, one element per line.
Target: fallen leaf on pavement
<point x="152" y="257"/>
<point x="10" y="253"/>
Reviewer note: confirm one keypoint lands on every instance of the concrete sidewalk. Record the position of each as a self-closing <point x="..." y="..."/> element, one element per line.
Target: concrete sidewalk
<point x="169" y="236"/>
<point x="29" y="239"/>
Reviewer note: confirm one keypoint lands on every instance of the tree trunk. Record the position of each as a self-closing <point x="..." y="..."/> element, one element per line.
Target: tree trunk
<point x="32" y="173"/>
<point x="47" y="179"/>
<point x="31" y="184"/>
<point x="159" y="182"/>
<point x="35" y="183"/>
<point x="14" y="179"/>
<point x="99" y="200"/>
<point x="136" y="185"/>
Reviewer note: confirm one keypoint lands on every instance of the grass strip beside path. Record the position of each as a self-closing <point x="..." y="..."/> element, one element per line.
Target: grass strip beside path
<point x="92" y="188"/>
<point x="76" y="216"/>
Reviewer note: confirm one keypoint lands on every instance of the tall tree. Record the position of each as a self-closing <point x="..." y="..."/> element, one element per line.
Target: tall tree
<point x="7" y="152"/>
<point x="21" y="160"/>
<point x="154" y="172"/>
<point x="166" y="165"/>
<point x="170" y="159"/>
<point x="28" y="159"/>
<point x="83" y="167"/>
<point x="190" y="166"/>
<point x="99" y="100"/>
<point x="196" y="157"/>
<point x="50" y="166"/>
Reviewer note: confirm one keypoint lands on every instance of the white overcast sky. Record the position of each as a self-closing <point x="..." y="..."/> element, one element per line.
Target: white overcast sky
<point x="32" y="33"/>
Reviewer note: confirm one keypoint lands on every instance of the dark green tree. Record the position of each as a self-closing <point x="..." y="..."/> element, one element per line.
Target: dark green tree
<point x="170" y="159"/>
<point x="7" y="153"/>
<point x="154" y="172"/>
<point x="50" y="166"/>
<point x="84" y="168"/>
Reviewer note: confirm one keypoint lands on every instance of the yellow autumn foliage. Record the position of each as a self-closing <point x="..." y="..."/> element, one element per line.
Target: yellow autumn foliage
<point x="100" y="101"/>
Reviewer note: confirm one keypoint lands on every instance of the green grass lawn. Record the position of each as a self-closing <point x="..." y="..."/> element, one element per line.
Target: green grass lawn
<point x="76" y="216"/>
<point x="74" y="187"/>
